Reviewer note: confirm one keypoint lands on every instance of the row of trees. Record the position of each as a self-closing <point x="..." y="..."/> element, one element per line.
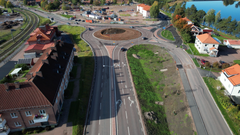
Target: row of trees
<point x="50" y="6"/>
<point x="6" y="4"/>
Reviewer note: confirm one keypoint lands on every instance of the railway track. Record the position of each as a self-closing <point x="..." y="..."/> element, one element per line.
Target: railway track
<point x="33" y="22"/>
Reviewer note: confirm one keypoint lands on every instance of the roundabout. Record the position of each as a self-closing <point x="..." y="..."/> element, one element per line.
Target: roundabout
<point x="117" y="34"/>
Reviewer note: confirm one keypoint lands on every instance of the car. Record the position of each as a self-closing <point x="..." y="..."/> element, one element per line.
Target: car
<point x="89" y="29"/>
<point x="144" y="38"/>
<point x="68" y="23"/>
<point x="120" y="11"/>
<point x="222" y="62"/>
<point x="79" y="20"/>
<point x="131" y="27"/>
<point x="203" y="61"/>
<point x="123" y="49"/>
<point x="83" y="20"/>
<point x="76" y="22"/>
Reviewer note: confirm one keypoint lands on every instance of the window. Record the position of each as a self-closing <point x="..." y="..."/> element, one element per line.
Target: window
<point x="31" y="122"/>
<point x="213" y="45"/>
<point x="205" y="44"/>
<point x="42" y="112"/>
<point x="28" y="113"/>
<point x="17" y="124"/>
<point x="13" y="115"/>
<point x="239" y="91"/>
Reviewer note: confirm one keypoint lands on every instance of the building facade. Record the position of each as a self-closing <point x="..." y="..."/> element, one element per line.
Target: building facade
<point x="231" y="43"/>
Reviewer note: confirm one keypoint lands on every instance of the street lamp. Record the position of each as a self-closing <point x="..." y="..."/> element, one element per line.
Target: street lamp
<point x="12" y="33"/>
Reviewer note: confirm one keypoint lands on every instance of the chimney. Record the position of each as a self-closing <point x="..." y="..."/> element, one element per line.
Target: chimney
<point x="17" y="85"/>
<point x="6" y="86"/>
<point x="45" y="61"/>
<point x="53" y="57"/>
<point x="39" y="73"/>
<point x="29" y="76"/>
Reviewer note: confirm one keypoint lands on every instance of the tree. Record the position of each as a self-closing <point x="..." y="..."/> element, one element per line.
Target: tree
<point x="216" y="64"/>
<point x="96" y="3"/>
<point x="207" y="64"/>
<point x="115" y="1"/>
<point x="225" y="65"/>
<point x="200" y="15"/>
<point x="91" y="1"/>
<point x="74" y="2"/>
<point x="166" y="7"/>
<point x="25" y="2"/>
<point x="103" y="2"/>
<point x="237" y="30"/>
<point x="172" y="8"/>
<point x="9" y="4"/>
<point x="3" y="3"/>
<point x="72" y="6"/>
<point x="210" y="17"/>
<point x="64" y="7"/>
<point x="217" y="17"/>
<point x="0" y="11"/>
<point x="232" y="26"/>
<point x="56" y="4"/>
<point x="154" y="10"/>
<point x="180" y="23"/>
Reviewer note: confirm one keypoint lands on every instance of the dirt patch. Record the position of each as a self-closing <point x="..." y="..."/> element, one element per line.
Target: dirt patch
<point x="117" y="34"/>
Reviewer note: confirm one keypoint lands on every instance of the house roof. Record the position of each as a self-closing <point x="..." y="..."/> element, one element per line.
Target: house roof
<point x="147" y="8"/>
<point x="51" y="65"/>
<point x="235" y="71"/>
<point x="141" y="5"/>
<point x="38" y="0"/>
<point x="39" y="46"/>
<point x="234" y="42"/>
<point x="28" y="96"/>
<point x="25" y="61"/>
<point x="186" y="19"/>
<point x="206" y="38"/>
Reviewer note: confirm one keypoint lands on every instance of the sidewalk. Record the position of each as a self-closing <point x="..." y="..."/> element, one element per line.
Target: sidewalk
<point x="64" y="127"/>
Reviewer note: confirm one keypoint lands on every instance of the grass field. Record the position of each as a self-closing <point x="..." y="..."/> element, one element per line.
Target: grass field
<point x="125" y="15"/>
<point x="196" y="62"/>
<point x="229" y="111"/>
<point x="237" y="61"/>
<point x="151" y="19"/>
<point x="166" y="13"/>
<point x="195" y="51"/>
<point x="78" y="108"/>
<point x="152" y="85"/>
<point x="67" y="16"/>
<point x="167" y="34"/>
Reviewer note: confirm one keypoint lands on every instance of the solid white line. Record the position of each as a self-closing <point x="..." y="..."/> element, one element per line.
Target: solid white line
<point x="124" y="101"/>
<point x="125" y="86"/>
<point x="128" y="131"/>
<point x="99" y="120"/>
<point x="122" y="91"/>
<point x="126" y="114"/>
<point x="100" y="106"/>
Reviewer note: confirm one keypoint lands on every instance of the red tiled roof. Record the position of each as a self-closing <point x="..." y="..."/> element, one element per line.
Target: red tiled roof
<point x="28" y="96"/>
<point x="234" y="42"/>
<point x="206" y="38"/>
<point x="43" y="34"/>
<point x="186" y="19"/>
<point x="212" y="48"/>
<point x="147" y="8"/>
<point x="39" y="46"/>
<point x="38" y="0"/>
<point x="235" y="71"/>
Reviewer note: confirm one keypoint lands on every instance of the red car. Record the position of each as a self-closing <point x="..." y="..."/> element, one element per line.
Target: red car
<point x="203" y="61"/>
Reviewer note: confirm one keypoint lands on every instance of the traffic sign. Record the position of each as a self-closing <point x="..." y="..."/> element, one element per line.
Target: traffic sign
<point x="164" y="28"/>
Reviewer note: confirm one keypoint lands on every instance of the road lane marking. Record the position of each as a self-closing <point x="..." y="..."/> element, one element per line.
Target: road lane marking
<point x="120" y="74"/>
<point x="100" y="106"/>
<point x="101" y="84"/>
<point x="122" y="91"/>
<point x="126" y="116"/>
<point x="99" y="120"/>
<point x="125" y="86"/>
<point x="101" y="94"/>
<point x="124" y="101"/>
<point x="131" y="101"/>
<point x="128" y="131"/>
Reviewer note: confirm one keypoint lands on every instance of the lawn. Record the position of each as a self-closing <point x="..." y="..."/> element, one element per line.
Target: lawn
<point x="151" y="19"/>
<point x="195" y="51"/>
<point x="152" y="85"/>
<point x="196" y="62"/>
<point x="67" y="16"/>
<point x="43" y="21"/>
<point x="166" y="13"/>
<point x="78" y="108"/>
<point x="125" y="15"/>
<point x="167" y="34"/>
<point x="237" y="61"/>
<point x="229" y="111"/>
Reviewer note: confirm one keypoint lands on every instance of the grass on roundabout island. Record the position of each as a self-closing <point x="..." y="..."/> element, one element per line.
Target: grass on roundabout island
<point x="168" y="35"/>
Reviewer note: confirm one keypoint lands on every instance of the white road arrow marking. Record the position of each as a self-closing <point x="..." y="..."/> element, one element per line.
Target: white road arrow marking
<point x="131" y="101"/>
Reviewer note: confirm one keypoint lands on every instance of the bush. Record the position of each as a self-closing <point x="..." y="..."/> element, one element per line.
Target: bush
<point x="47" y="128"/>
<point x="207" y="64"/>
<point x="24" y="131"/>
<point x="216" y="65"/>
<point x="225" y="65"/>
<point x="23" y="66"/>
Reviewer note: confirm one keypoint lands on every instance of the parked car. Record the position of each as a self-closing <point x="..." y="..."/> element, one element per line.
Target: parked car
<point x="120" y="11"/>
<point x="203" y="61"/>
<point x="123" y="49"/>
<point x="144" y="38"/>
<point x="131" y="27"/>
<point x="221" y="62"/>
<point x="83" y="20"/>
<point x="68" y="23"/>
<point x="76" y="22"/>
<point x="79" y="20"/>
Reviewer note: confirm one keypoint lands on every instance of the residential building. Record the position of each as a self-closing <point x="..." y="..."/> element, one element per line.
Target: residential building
<point x="37" y="102"/>
<point x="230" y="78"/>
<point x="144" y="9"/>
<point x="38" y="48"/>
<point x="232" y="43"/>
<point x="187" y="20"/>
<point x="43" y="35"/>
<point x="198" y="31"/>
<point x="205" y="44"/>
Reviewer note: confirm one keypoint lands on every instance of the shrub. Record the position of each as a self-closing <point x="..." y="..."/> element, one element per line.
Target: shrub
<point x="47" y="128"/>
<point x="24" y="131"/>
<point x="207" y="64"/>
<point x="216" y="65"/>
<point x="225" y="65"/>
<point x="23" y="66"/>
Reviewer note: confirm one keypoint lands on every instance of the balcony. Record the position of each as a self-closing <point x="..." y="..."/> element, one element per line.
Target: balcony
<point x="5" y="130"/>
<point x="41" y="118"/>
<point x="2" y="123"/>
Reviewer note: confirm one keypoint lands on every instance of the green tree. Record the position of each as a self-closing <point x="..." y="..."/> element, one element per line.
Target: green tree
<point x="96" y="3"/>
<point x="217" y="17"/>
<point x="91" y="1"/>
<point x="0" y="11"/>
<point x="115" y="1"/>
<point x="74" y="2"/>
<point x="103" y="2"/>
<point x="237" y="30"/>
<point x="200" y="15"/>
<point x="9" y="4"/>
<point x="179" y="11"/>
<point x="210" y="17"/>
<point x="216" y="64"/>
<point x="172" y="8"/>
<point x="56" y="4"/>
<point x="25" y="2"/>
<point x="154" y="10"/>
<point x="232" y="26"/>
<point x="64" y="7"/>
<point x="3" y="3"/>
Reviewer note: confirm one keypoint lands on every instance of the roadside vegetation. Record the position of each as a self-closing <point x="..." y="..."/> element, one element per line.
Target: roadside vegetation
<point x="159" y="92"/>
<point x="193" y="50"/>
<point x="167" y="34"/>
<point x="67" y="16"/>
<point x="230" y="112"/>
<point x="125" y="15"/>
<point x="84" y="57"/>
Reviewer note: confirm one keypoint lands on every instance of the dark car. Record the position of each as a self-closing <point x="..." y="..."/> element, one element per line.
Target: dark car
<point x="79" y="20"/>
<point x="203" y="61"/>
<point x="131" y="27"/>
<point x="83" y="20"/>
<point x="123" y="49"/>
<point x="76" y="22"/>
<point x="68" y="23"/>
<point x="222" y="62"/>
<point x="144" y="38"/>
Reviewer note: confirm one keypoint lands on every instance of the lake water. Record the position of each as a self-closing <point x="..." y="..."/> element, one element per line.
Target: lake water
<point x="226" y="11"/>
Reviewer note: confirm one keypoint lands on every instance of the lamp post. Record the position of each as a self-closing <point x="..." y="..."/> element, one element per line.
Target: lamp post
<point x="12" y="34"/>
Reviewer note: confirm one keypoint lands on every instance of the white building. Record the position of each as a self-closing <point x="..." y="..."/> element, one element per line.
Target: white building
<point x="232" y="43"/>
<point x="230" y="79"/>
<point x="205" y="44"/>
<point x="144" y="10"/>
<point x="187" y="20"/>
